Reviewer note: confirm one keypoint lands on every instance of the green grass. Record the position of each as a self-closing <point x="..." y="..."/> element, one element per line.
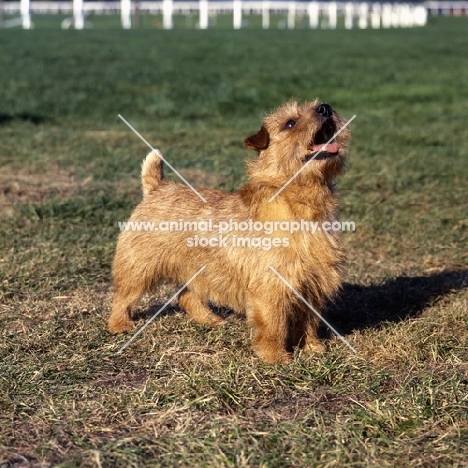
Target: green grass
<point x="183" y="395"/>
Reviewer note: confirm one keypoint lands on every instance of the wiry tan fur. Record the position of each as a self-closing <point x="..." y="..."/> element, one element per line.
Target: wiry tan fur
<point x="236" y="277"/>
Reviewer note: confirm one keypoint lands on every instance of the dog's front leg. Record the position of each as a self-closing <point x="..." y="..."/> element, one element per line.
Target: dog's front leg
<point x="270" y="325"/>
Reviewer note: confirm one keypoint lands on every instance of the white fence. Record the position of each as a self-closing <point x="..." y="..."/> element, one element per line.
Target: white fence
<point x="447" y="8"/>
<point x="319" y="14"/>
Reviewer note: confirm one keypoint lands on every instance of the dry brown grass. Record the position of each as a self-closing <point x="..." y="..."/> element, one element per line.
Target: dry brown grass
<point x="21" y="187"/>
<point x="53" y="182"/>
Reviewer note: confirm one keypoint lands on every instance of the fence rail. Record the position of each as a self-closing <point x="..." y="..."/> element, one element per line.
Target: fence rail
<point x="320" y="14"/>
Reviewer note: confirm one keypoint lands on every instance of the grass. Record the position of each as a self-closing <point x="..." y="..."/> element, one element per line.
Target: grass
<point x="183" y="395"/>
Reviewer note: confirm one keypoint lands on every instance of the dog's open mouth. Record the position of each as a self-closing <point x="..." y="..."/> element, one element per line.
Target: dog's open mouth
<point x="319" y="147"/>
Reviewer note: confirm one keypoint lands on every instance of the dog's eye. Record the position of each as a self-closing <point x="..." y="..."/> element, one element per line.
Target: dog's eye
<point x="290" y="124"/>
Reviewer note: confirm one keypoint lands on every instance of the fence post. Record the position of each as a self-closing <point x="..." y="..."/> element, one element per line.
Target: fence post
<point x="126" y="13"/>
<point x="291" y="15"/>
<point x="237" y="14"/>
<point x="265" y="14"/>
<point x="332" y="14"/>
<point x="313" y="15"/>
<point x="25" y="14"/>
<point x="363" y="12"/>
<point x="375" y="15"/>
<point x="405" y="16"/>
<point x="167" y="14"/>
<point x="420" y="15"/>
<point x="78" y="15"/>
<point x="387" y="16"/>
<point x="203" y="5"/>
<point x="349" y="12"/>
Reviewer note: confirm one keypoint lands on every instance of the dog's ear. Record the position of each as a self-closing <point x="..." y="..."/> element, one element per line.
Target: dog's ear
<point x="259" y="141"/>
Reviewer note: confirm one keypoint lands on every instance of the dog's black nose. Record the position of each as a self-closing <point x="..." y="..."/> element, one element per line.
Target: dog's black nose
<point x="324" y="110"/>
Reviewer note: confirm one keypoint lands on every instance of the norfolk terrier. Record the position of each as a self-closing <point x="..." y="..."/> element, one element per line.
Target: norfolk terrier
<point x="290" y="182"/>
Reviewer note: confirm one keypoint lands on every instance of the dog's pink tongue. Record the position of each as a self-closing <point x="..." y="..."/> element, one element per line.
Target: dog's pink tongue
<point x="331" y="148"/>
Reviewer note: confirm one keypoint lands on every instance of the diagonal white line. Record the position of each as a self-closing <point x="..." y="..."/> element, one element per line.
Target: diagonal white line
<point x="161" y="156"/>
<point x="161" y="309"/>
<point x="313" y="310"/>
<point x="311" y="159"/>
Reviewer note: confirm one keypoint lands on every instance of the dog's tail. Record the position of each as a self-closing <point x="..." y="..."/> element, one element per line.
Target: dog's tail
<point x="151" y="171"/>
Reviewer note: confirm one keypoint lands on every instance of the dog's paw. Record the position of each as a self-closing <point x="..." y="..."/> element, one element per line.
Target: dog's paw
<point x="116" y="327"/>
<point x="215" y="321"/>
<point x="208" y="320"/>
<point x="314" y="346"/>
<point x="273" y="355"/>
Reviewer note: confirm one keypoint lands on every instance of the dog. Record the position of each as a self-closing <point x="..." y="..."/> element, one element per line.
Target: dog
<point x="291" y="180"/>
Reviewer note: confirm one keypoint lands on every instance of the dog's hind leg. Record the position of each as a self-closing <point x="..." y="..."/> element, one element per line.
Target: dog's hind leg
<point x="193" y="304"/>
<point x="310" y="341"/>
<point x="124" y="300"/>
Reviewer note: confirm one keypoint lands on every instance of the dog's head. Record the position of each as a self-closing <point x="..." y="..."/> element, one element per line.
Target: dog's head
<point x="299" y="139"/>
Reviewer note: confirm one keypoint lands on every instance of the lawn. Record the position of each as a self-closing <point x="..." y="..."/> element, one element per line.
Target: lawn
<point x="184" y="395"/>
